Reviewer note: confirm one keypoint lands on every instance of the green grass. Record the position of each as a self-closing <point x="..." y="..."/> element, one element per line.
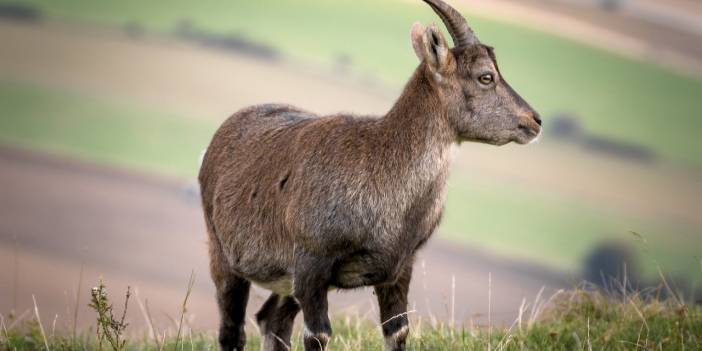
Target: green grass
<point x="614" y="96"/>
<point x="101" y="130"/>
<point x="570" y="320"/>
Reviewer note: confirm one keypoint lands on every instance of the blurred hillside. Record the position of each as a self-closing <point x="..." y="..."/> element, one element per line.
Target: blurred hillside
<point x="142" y="86"/>
<point x="609" y="93"/>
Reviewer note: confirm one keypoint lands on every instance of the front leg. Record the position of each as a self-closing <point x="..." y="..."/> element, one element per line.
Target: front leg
<point x="311" y="282"/>
<point x="392" y="300"/>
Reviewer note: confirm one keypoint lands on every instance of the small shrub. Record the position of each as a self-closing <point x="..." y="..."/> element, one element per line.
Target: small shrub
<point x="108" y="327"/>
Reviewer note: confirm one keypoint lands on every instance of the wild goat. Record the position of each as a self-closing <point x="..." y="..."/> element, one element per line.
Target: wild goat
<point x="299" y="203"/>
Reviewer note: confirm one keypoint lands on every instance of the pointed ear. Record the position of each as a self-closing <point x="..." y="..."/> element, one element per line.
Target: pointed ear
<point x="416" y="33"/>
<point x="430" y="45"/>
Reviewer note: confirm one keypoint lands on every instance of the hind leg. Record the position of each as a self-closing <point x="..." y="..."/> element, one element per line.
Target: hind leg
<point x="276" y="319"/>
<point x="232" y="296"/>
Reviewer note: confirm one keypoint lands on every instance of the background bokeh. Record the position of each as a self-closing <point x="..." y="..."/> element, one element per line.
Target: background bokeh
<point x="106" y="106"/>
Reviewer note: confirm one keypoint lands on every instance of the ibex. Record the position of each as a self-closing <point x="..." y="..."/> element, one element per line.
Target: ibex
<point x="299" y="203"/>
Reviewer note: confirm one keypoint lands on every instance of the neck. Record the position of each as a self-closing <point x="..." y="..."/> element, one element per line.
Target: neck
<point x="418" y="119"/>
<point x="416" y="143"/>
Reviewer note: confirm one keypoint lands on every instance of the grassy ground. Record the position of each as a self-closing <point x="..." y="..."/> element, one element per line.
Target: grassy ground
<point x="614" y="96"/>
<point x="572" y="320"/>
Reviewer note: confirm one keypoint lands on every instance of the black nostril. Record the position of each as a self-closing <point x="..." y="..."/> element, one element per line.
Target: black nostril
<point x="537" y="119"/>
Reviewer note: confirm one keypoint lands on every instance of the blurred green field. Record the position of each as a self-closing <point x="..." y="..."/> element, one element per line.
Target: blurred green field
<point x="98" y="129"/>
<point x="560" y="231"/>
<point x="614" y="96"/>
<point x="499" y="217"/>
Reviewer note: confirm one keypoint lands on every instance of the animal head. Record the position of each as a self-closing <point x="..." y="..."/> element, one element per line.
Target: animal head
<point x="481" y="106"/>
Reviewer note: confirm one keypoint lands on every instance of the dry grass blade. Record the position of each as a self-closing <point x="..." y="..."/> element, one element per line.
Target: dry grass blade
<point x="507" y="337"/>
<point x="282" y="342"/>
<point x="163" y="341"/>
<point x="537" y="306"/>
<point x="74" y="328"/>
<point x="17" y="320"/>
<point x="190" y="337"/>
<point x="146" y="313"/>
<point x="522" y="307"/>
<point x="15" y="278"/>
<point x="453" y="300"/>
<point x="4" y="327"/>
<point x="670" y="290"/>
<point x="41" y="327"/>
<point x="639" y="313"/>
<point x="254" y="324"/>
<point x="397" y="316"/>
<point x="489" y="311"/>
<point x="53" y="326"/>
<point x="183" y="310"/>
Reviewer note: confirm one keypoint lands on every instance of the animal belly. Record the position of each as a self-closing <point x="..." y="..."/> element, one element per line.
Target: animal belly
<point x="282" y="286"/>
<point x="358" y="274"/>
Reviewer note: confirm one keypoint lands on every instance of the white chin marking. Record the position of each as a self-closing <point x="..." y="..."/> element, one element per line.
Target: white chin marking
<point x="536" y="139"/>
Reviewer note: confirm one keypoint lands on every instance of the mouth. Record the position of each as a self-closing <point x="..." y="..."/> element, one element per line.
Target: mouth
<point x="527" y="135"/>
<point x="523" y="134"/>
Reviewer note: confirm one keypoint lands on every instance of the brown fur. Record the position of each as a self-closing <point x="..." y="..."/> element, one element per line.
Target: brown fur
<point x="299" y="203"/>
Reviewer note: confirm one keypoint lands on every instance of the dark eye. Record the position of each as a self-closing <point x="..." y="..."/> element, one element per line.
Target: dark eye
<point x="486" y="79"/>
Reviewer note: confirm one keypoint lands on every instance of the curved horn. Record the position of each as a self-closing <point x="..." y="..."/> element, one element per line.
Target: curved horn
<point x="456" y="24"/>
